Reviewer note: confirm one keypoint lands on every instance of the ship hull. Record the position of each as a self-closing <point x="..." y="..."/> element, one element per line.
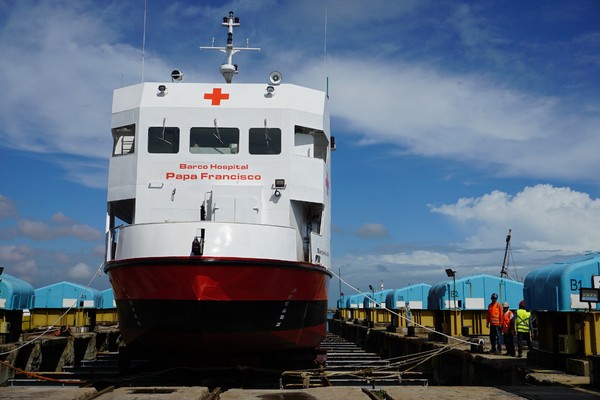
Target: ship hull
<point x="220" y="305"/>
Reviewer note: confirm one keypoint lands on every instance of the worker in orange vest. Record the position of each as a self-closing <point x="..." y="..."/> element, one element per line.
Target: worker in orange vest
<point x="508" y="330"/>
<point x="494" y="322"/>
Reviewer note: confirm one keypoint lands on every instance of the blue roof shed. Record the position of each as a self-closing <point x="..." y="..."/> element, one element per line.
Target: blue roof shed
<point x="357" y="301"/>
<point x="342" y="302"/>
<point x="15" y="294"/>
<point x="65" y="295"/>
<point x="556" y="287"/>
<point x="379" y="298"/>
<point x="414" y="295"/>
<point x="346" y="302"/>
<point x="474" y="292"/>
<point x="108" y="299"/>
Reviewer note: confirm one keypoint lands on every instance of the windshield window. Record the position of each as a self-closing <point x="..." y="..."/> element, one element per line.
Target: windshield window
<point x="214" y="140"/>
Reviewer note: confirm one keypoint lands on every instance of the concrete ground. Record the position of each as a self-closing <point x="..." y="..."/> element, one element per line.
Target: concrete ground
<point x="45" y="392"/>
<point x="322" y="393"/>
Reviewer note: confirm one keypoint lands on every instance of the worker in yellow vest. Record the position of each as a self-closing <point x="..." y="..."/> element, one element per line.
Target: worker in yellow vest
<point x="523" y="327"/>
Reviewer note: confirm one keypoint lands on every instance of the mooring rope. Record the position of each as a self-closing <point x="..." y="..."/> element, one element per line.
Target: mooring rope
<point x="30" y="374"/>
<point x="411" y="361"/>
<point x="408" y="320"/>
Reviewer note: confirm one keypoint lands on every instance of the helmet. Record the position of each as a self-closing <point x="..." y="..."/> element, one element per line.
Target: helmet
<point x="522" y="304"/>
<point x="505" y="305"/>
<point x="494" y="296"/>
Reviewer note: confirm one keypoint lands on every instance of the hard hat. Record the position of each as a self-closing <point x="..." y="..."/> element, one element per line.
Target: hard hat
<point x="522" y="304"/>
<point x="494" y="296"/>
<point x="505" y="305"/>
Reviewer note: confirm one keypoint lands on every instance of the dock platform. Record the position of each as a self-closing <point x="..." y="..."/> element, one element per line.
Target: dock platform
<point x="323" y="393"/>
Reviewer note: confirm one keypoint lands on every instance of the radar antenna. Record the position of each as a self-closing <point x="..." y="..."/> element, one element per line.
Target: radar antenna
<point x="229" y="68"/>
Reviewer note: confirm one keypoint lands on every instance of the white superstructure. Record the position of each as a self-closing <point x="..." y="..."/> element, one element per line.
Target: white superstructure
<point x="256" y="159"/>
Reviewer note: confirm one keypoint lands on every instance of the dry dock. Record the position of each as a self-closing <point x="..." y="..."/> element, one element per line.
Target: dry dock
<point x="474" y="368"/>
<point x="328" y="393"/>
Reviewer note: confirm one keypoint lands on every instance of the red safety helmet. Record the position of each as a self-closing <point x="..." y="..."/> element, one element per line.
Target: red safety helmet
<point x="522" y="304"/>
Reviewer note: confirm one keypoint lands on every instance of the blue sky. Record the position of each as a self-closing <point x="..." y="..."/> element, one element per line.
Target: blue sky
<point x="454" y="121"/>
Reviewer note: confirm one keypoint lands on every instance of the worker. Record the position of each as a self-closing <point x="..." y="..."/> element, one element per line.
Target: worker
<point x="523" y="327"/>
<point x="508" y="330"/>
<point x="494" y="322"/>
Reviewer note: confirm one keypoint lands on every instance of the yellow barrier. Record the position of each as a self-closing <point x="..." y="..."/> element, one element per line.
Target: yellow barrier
<point x="44" y="317"/>
<point x="107" y="316"/>
<point x="574" y="333"/>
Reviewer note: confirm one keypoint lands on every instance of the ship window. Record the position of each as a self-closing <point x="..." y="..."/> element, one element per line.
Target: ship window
<point x="319" y="146"/>
<point x="163" y="139"/>
<point x="123" y="140"/>
<point x="265" y="141"/>
<point x="214" y="140"/>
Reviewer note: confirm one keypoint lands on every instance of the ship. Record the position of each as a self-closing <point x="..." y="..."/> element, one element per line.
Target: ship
<point x="219" y="213"/>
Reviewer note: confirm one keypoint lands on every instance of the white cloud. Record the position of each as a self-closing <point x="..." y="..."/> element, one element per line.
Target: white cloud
<point x="542" y="217"/>
<point x="61" y="227"/>
<point x="80" y="271"/>
<point x="467" y="118"/>
<point x="415" y="258"/>
<point x="62" y="70"/>
<point x="372" y="230"/>
<point x="395" y="269"/>
<point x="67" y="227"/>
<point x="61" y="218"/>
<point x="18" y="260"/>
<point x="80" y="231"/>
<point x="41" y="267"/>
<point x="14" y="253"/>
<point x="548" y="224"/>
<point x="35" y="229"/>
<point x="7" y="207"/>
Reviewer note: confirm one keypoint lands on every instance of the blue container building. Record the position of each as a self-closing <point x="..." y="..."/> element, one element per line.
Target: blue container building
<point x="414" y="295"/>
<point x="474" y="293"/>
<point x="15" y="294"/>
<point x="461" y="304"/>
<point x="52" y="302"/>
<point x="566" y="324"/>
<point x="16" y="297"/>
<point x="410" y="306"/>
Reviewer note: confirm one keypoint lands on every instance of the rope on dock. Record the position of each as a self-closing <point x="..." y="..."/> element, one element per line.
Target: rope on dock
<point x="368" y="373"/>
<point x="41" y="377"/>
<point x="408" y="320"/>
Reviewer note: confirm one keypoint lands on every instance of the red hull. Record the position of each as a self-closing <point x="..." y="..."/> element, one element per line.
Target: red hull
<point x="220" y="305"/>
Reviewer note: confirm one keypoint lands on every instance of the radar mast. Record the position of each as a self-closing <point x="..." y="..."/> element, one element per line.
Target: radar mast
<point x="229" y="68"/>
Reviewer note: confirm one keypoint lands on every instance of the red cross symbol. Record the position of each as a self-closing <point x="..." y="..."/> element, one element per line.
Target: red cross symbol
<point x="216" y="96"/>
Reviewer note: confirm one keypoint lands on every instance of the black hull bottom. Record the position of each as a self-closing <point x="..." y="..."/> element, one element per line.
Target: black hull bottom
<point x="222" y="326"/>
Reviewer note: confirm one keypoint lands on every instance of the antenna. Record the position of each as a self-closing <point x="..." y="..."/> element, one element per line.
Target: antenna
<point x="229" y="68"/>
<point x="325" y="57"/>
<point x="144" y="40"/>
